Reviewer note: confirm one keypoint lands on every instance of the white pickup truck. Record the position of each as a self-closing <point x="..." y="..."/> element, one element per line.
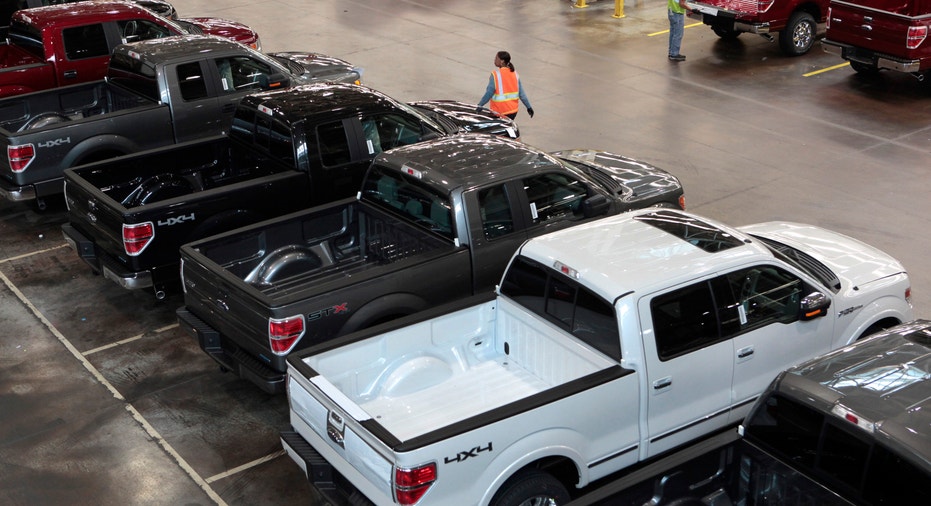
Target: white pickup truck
<point x="605" y="345"/>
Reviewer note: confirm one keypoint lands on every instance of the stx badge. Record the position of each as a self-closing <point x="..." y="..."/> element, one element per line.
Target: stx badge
<point x="339" y="308"/>
<point x="461" y="456"/>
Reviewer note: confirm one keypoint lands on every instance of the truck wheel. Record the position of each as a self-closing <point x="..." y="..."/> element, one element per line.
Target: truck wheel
<point x="725" y="33"/>
<point x="799" y="34"/>
<point x="531" y="488"/>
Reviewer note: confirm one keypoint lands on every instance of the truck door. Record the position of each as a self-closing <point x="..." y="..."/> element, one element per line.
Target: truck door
<point x="496" y="230"/>
<point x="769" y="335"/>
<point x="194" y="104"/>
<point x="689" y="366"/>
<point x="87" y="54"/>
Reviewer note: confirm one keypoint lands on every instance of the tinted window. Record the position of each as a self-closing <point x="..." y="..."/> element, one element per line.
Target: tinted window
<point x="786" y="428"/>
<point x="134" y="30"/>
<point x="27" y="36"/>
<point x="243" y="124"/>
<point x="242" y="73"/>
<point x="564" y="302"/>
<point x="334" y="144"/>
<point x="555" y="196"/>
<point x="280" y="143"/>
<point x="696" y="232"/>
<point x="893" y="480"/>
<point x="495" y="209"/>
<point x="85" y="42"/>
<point x="762" y="295"/>
<point x="133" y="74"/>
<point x="684" y="320"/>
<point x="389" y="131"/>
<point x="418" y="203"/>
<point x="191" y="81"/>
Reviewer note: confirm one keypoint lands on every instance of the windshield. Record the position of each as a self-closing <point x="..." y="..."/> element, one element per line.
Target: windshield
<point x="804" y="262"/>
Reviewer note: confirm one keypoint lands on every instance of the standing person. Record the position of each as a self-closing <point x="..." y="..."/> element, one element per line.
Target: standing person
<point x="676" y="10"/>
<point x="504" y="88"/>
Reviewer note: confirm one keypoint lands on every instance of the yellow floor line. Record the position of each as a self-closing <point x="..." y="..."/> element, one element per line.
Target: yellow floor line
<point x="835" y="67"/>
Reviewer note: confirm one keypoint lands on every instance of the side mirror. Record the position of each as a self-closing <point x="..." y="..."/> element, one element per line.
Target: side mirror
<point x="274" y="82"/>
<point x="595" y="205"/>
<point x="814" y="305"/>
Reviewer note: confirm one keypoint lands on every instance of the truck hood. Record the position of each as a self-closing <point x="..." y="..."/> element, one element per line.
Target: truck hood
<point x="468" y="118"/>
<point x="855" y="263"/>
<point x="318" y="67"/>
<point x="629" y="179"/>
<point x="159" y="7"/>
<point x="222" y="28"/>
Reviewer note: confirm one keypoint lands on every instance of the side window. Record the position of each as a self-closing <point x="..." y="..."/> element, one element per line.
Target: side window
<point x="763" y="295"/>
<point x="133" y="30"/>
<point x="495" y="209"/>
<point x="244" y="125"/>
<point x="242" y="73"/>
<point x="191" y="81"/>
<point x="684" y="320"/>
<point x="280" y="143"/>
<point x="334" y="145"/>
<point x="565" y="303"/>
<point x="554" y="196"/>
<point x="389" y="131"/>
<point x="85" y="42"/>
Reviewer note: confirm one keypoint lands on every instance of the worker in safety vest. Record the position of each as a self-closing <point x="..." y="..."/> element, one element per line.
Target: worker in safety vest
<point x="504" y="88"/>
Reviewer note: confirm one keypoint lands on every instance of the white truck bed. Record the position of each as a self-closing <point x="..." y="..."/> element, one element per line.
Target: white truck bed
<point x="432" y="374"/>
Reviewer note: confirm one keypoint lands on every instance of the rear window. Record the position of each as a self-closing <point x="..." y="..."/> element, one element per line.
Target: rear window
<point x="133" y="74"/>
<point x="27" y="37"/>
<point x="85" y="42"/>
<point x="837" y="453"/>
<point x="564" y="302"/>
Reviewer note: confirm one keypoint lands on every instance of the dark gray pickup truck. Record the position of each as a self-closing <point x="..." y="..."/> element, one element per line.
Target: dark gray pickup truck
<point x="157" y="92"/>
<point x="298" y="147"/>
<point x="434" y="222"/>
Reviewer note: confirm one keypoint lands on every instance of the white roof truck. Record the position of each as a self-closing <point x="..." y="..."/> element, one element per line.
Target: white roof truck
<point x="605" y="345"/>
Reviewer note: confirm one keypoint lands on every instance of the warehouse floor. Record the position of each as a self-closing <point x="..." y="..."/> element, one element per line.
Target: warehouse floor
<point x="104" y="401"/>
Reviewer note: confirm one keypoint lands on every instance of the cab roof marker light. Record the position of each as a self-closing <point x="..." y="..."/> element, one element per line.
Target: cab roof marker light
<point x="412" y="171"/>
<point x="853" y="418"/>
<point x="266" y="110"/>
<point x="565" y="269"/>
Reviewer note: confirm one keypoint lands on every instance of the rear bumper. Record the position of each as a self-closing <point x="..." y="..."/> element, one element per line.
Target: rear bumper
<point x="17" y="193"/>
<point x="103" y="263"/>
<point x="231" y="356"/>
<point x="868" y="57"/>
<point x="324" y="477"/>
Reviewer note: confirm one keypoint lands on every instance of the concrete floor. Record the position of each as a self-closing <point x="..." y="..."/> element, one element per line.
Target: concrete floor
<point x="104" y="401"/>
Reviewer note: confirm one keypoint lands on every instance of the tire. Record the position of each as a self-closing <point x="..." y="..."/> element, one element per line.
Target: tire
<point x="863" y="69"/>
<point x="725" y="34"/>
<point x="799" y="34"/>
<point x="531" y="488"/>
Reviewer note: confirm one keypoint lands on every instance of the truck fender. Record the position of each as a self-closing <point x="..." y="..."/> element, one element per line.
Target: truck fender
<point x="99" y="147"/>
<point x="530" y="451"/>
<point x="384" y="308"/>
<point x="877" y="315"/>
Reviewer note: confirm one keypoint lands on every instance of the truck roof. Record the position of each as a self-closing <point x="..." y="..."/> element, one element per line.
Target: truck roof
<point x="80" y="13"/>
<point x="883" y="381"/>
<point x="178" y="47"/>
<point x="298" y="103"/>
<point x="645" y="249"/>
<point x="468" y="160"/>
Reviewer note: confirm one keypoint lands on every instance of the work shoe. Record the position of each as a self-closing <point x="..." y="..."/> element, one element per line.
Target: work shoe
<point x="677" y="57"/>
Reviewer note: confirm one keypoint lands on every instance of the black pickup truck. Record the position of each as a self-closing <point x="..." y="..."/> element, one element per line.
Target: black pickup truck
<point x="292" y="148"/>
<point x="434" y="222"/>
<point x="157" y="92"/>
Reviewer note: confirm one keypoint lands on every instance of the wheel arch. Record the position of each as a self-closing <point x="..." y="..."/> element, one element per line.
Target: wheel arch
<point x="382" y="309"/>
<point x="97" y="148"/>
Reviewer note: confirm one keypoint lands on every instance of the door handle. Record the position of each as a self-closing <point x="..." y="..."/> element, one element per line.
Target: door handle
<point x="745" y="352"/>
<point x="662" y="383"/>
<point x="71" y="74"/>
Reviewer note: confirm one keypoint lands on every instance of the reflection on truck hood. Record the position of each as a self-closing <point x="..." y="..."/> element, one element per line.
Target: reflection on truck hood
<point x="629" y="179"/>
<point x="223" y="28"/>
<point x="855" y="263"/>
<point x="316" y="66"/>
<point x="468" y="118"/>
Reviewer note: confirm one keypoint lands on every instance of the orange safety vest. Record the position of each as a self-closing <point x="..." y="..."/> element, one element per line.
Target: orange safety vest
<point x="504" y="101"/>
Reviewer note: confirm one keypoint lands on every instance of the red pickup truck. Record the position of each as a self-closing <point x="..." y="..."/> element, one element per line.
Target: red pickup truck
<point x="60" y="45"/>
<point x="881" y="34"/>
<point x="796" y="21"/>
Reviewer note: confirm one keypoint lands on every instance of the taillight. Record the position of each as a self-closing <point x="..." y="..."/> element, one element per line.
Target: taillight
<point x="20" y="156"/>
<point x="284" y="333"/>
<point x="137" y="237"/>
<point x="916" y="35"/>
<point x="764" y="5"/>
<point x="411" y="484"/>
<point x="827" y="20"/>
<point x="908" y="295"/>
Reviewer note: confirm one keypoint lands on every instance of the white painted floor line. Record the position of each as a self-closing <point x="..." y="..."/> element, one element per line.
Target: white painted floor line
<point x="39" y="252"/>
<point x="103" y="381"/>
<point x="247" y="465"/>
<point x="127" y="340"/>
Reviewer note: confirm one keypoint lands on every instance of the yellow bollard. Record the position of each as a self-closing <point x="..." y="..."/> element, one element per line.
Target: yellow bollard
<point x="618" y="9"/>
<point x="580" y="4"/>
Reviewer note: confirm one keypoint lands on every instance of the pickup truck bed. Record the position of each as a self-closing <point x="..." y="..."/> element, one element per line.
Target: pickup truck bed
<point x="498" y="362"/>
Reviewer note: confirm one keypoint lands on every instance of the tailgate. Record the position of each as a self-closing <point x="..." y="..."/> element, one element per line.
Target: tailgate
<point x="95" y="215"/>
<point x="879" y="30"/>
